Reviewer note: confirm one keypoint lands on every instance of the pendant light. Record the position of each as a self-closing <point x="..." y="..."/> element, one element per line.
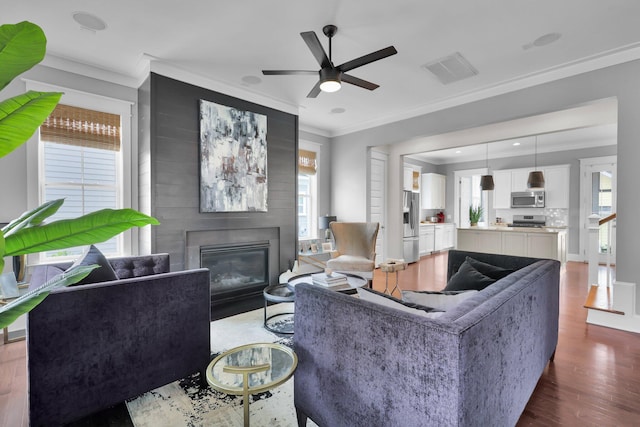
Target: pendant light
<point x="536" y="178"/>
<point x="486" y="181"/>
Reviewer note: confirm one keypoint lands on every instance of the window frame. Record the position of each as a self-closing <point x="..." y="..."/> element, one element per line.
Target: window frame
<point x="124" y="168"/>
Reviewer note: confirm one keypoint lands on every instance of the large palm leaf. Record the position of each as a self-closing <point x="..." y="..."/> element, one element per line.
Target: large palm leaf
<point x="88" y="229"/>
<point x="22" y="46"/>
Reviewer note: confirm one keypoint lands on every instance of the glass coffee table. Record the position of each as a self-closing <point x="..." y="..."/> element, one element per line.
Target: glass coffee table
<point x="250" y="369"/>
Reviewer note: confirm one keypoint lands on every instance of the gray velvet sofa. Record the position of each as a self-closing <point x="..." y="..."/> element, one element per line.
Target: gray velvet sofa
<point x="364" y="364"/>
<point x="92" y="346"/>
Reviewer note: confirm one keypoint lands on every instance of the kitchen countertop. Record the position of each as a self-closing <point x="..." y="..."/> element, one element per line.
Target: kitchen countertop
<point x="517" y="229"/>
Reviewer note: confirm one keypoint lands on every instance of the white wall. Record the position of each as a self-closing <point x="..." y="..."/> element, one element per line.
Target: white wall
<point x="421" y="134"/>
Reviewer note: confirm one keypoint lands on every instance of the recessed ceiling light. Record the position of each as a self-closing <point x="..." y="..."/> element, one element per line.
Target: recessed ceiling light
<point x="516" y="144"/>
<point x="543" y="40"/>
<point x="338" y="110"/>
<point x="546" y="39"/>
<point x="458" y="151"/>
<point x="251" y="80"/>
<point x="89" y="21"/>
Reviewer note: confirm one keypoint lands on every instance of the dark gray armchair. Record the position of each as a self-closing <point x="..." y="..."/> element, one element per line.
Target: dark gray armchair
<point x="93" y="346"/>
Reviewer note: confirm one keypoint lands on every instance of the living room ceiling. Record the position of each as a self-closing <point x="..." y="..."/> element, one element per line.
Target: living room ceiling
<point x="510" y="45"/>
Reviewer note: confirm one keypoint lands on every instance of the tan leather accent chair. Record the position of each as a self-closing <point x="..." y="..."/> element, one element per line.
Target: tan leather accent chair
<point x="355" y="248"/>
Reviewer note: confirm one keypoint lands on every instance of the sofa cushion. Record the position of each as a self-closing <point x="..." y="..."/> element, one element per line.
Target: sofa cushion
<point x="104" y="273"/>
<point x="438" y="300"/>
<point x="467" y="278"/>
<point x="489" y="270"/>
<point x="389" y="301"/>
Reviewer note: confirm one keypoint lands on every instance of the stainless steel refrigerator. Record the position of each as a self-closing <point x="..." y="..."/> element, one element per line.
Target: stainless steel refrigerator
<point x="411" y="226"/>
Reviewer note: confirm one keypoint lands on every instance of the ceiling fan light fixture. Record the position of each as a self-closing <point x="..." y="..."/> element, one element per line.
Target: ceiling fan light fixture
<point x="330" y="80"/>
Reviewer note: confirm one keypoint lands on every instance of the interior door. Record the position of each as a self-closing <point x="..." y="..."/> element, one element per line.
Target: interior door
<point x="598" y="183"/>
<point x="377" y="199"/>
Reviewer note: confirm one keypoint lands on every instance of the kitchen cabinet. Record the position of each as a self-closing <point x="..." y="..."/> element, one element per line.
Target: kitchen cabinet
<point x="433" y="191"/>
<point x="556" y="186"/>
<point x="502" y="189"/>
<point x="479" y="241"/>
<point x="427" y="239"/>
<point x="514" y="244"/>
<point x="443" y="236"/>
<point x="519" y="179"/>
<point x="407" y="182"/>
<point x="542" y="243"/>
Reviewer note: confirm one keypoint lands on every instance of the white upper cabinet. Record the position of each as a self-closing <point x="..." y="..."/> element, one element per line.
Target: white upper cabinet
<point x="434" y="188"/>
<point x="502" y="189"/>
<point x="411" y="179"/>
<point x="556" y="186"/>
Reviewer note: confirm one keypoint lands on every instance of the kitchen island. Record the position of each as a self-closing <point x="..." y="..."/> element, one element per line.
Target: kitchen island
<point x="543" y="242"/>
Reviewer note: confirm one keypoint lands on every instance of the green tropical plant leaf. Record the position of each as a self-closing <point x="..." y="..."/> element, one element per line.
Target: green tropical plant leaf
<point x="22" y="46"/>
<point x="22" y="115"/>
<point x="25" y="303"/>
<point x="88" y="229"/>
<point x="33" y="217"/>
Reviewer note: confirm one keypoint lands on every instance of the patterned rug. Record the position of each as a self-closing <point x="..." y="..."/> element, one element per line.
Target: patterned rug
<point x="188" y="403"/>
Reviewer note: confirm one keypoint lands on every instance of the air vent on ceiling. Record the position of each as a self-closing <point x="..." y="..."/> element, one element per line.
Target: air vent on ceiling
<point x="451" y="68"/>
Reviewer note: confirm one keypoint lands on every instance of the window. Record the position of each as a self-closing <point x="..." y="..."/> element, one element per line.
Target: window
<point x="82" y="150"/>
<point x="307" y="199"/>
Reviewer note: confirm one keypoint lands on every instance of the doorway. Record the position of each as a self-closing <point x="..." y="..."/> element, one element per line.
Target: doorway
<point x="598" y="182"/>
<point x="377" y="199"/>
<point x="468" y="193"/>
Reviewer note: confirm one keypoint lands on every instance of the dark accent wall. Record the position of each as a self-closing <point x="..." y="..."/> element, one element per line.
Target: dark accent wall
<point x="169" y="136"/>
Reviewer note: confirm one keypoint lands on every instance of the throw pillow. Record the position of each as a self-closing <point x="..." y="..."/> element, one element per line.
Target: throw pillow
<point x="467" y="278"/>
<point x="438" y="300"/>
<point x="43" y="274"/>
<point x="104" y="273"/>
<point x="490" y="270"/>
<point x="389" y="301"/>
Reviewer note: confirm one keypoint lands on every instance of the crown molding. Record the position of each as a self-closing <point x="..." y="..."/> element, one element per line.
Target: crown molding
<point x="595" y="62"/>
<point x="75" y="67"/>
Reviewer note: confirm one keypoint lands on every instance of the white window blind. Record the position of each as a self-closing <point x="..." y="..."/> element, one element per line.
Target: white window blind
<point x="81" y="157"/>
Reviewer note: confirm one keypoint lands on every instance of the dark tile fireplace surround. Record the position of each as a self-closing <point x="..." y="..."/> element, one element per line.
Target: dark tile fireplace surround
<point x="242" y="262"/>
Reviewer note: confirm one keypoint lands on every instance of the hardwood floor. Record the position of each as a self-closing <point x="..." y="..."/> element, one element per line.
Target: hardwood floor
<point x="594" y="380"/>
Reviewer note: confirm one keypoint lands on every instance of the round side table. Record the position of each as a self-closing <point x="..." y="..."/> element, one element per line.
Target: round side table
<point x="392" y="267"/>
<point x="276" y="294"/>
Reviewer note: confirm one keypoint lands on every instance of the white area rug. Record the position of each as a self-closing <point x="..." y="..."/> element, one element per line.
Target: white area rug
<point x="187" y="403"/>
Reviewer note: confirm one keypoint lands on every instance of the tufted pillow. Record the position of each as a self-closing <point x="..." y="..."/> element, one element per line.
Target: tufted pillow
<point x="389" y="301"/>
<point x="104" y="273"/>
<point x="438" y="300"/>
<point x="128" y="267"/>
<point x="490" y="270"/>
<point x="467" y="278"/>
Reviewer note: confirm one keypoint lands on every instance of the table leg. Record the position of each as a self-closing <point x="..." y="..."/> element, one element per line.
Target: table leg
<point x="246" y="371"/>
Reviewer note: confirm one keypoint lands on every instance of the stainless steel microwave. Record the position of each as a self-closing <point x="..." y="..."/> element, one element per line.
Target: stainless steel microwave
<point x="527" y="199"/>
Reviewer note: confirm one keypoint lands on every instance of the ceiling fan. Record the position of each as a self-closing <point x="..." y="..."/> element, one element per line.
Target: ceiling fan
<point x="331" y="76"/>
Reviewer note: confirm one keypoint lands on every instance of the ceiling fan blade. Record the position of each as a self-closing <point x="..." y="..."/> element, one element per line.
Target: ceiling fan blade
<point x="359" y="82"/>
<point x="367" y="59"/>
<point x="289" y="72"/>
<point x="315" y="91"/>
<point x="316" y="48"/>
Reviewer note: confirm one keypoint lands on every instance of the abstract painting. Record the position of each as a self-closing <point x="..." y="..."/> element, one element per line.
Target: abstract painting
<point x="233" y="159"/>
